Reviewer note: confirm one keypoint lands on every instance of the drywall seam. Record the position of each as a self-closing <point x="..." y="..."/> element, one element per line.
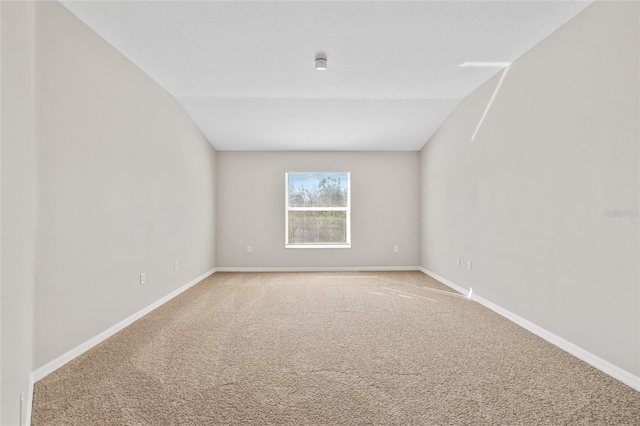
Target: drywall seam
<point x="52" y="366"/>
<point x="606" y="367"/>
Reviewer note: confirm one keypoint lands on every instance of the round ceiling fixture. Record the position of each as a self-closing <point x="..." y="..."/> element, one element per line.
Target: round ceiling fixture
<point x="321" y="63"/>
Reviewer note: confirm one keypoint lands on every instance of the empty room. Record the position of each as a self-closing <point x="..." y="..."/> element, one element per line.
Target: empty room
<point x="319" y="212"/>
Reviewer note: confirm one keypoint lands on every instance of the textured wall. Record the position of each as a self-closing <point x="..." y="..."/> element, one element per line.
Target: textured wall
<point x="126" y="186"/>
<point x="527" y="200"/>
<point x="384" y="209"/>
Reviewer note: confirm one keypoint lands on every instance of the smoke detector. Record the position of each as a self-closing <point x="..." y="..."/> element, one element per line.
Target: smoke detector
<point x="321" y="63"/>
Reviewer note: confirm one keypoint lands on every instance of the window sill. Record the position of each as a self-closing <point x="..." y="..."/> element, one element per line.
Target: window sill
<point x="314" y="246"/>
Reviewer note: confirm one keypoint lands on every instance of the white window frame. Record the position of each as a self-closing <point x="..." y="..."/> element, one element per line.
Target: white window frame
<point x="324" y="209"/>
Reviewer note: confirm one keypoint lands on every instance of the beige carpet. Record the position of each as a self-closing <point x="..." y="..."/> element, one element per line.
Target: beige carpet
<point x="328" y="349"/>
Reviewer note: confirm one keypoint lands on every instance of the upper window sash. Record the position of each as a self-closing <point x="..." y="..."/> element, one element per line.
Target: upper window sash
<point x="307" y="195"/>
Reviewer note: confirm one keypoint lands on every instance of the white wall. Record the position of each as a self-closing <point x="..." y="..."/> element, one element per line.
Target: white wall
<point x="126" y="185"/>
<point x="18" y="205"/>
<point x="384" y="199"/>
<point x="526" y="200"/>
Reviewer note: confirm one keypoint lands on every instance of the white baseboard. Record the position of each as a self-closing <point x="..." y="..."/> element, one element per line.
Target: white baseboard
<point x="27" y="421"/>
<point x="446" y="282"/>
<point x="52" y="366"/>
<point x="612" y="370"/>
<point x="317" y="269"/>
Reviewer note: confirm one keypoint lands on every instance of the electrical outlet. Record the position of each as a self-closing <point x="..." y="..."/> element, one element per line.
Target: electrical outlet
<point x="175" y="265"/>
<point x="248" y="249"/>
<point x="469" y="265"/>
<point x="396" y="249"/>
<point x="458" y="261"/>
<point x="143" y="278"/>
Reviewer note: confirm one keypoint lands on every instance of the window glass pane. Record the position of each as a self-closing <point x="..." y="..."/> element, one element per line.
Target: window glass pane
<point x="309" y="227"/>
<point x="318" y="189"/>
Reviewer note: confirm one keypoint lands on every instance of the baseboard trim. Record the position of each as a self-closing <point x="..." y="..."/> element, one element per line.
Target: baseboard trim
<point x="580" y="353"/>
<point x="317" y="269"/>
<point x="606" y="367"/>
<point x="446" y="282"/>
<point x="27" y="421"/>
<point x="63" y="359"/>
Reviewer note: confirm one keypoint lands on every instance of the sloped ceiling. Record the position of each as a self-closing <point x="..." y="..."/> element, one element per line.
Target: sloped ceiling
<point x="244" y="71"/>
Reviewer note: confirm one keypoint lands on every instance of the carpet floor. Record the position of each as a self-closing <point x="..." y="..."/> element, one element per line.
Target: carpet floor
<point x="383" y="348"/>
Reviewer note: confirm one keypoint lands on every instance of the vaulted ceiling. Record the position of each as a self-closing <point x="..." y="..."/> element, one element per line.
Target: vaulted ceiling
<point x="244" y="71"/>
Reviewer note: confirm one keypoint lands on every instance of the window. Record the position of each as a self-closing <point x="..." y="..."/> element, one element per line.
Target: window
<point x="317" y="208"/>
